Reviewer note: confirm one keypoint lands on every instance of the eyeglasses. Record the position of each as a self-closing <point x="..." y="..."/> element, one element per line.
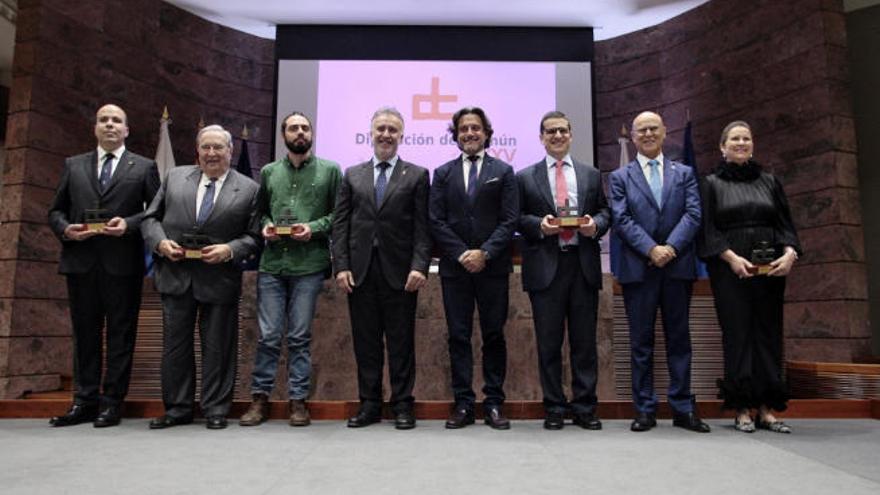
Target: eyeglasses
<point x="564" y="131"/>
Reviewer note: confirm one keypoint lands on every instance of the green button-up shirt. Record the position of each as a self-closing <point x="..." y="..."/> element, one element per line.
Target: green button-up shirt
<point x="309" y="194"/>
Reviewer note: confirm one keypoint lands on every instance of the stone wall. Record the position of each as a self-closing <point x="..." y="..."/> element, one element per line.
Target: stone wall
<point x="70" y="58"/>
<point x="781" y="66"/>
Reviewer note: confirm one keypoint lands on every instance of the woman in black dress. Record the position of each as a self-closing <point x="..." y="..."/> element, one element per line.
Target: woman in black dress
<point x="750" y="244"/>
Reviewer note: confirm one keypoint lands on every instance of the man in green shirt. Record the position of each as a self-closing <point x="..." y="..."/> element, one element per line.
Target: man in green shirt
<point x="295" y="203"/>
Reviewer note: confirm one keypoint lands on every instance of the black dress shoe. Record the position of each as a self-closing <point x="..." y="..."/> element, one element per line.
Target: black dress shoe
<point x="215" y="422"/>
<point x="78" y="413"/>
<point x="405" y="420"/>
<point x="587" y="421"/>
<point x="690" y="421"/>
<point x="166" y="421"/>
<point x="494" y="417"/>
<point x="643" y="422"/>
<point x="109" y="416"/>
<point x="364" y="418"/>
<point x="460" y="418"/>
<point x="553" y="421"/>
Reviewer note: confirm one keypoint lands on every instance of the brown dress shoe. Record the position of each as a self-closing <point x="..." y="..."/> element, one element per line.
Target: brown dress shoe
<point x="299" y="413"/>
<point x="257" y="413"/>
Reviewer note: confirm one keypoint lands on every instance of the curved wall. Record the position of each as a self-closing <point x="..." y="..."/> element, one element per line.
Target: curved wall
<point x="781" y="66"/>
<point x="70" y="58"/>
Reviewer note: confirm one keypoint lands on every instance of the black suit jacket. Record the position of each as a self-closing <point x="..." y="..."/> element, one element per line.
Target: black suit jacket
<point x="233" y="221"/>
<point x="133" y="185"/>
<point x="487" y="223"/>
<point x="399" y="224"/>
<point x="540" y="254"/>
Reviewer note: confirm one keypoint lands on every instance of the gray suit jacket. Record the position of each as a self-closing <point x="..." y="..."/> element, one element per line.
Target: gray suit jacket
<point x="232" y="221"/>
<point x="399" y="225"/>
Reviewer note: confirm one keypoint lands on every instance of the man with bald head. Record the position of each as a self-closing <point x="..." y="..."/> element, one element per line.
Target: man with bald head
<point x="97" y="213"/>
<point x="655" y="206"/>
<point x="202" y="225"/>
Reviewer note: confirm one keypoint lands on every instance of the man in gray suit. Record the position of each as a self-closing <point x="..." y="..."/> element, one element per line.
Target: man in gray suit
<point x="202" y="225"/>
<point x="104" y="266"/>
<point x="381" y="252"/>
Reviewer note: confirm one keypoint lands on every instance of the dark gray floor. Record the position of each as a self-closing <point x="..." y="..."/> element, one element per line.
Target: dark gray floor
<point x="822" y="456"/>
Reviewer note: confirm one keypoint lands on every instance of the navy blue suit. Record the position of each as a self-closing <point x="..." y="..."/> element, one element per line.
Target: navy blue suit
<point x="563" y="286"/>
<point x="642" y="224"/>
<point x="485" y="222"/>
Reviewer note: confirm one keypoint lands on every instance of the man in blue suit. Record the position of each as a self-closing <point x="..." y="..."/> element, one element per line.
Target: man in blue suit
<point x="473" y="209"/>
<point x="655" y="205"/>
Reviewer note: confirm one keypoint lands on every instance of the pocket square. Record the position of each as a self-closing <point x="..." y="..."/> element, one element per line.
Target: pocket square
<point x="493" y="179"/>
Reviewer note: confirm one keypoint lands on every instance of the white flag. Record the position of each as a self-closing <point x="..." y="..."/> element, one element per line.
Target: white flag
<point x="164" y="152"/>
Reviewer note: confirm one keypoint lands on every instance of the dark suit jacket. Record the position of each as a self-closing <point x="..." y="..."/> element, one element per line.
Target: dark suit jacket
<point x="399" y="224"/>
<point x="134" y="183"/>
<point x="487" y="223"/>
<point x="641" y="223"/>
<point x="232" y="221"/>
<point x="541" y="254"/>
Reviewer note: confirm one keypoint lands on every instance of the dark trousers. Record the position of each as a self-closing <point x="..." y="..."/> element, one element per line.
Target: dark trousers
<point x="94" y="296"/>
<point x="218" y="329"/>
<point x="750" y="314"/>
<point x="490" y="293"/>
<point x="381" y="313"/>
<point x="567" y="298"/>
<point x="641" y="300"/>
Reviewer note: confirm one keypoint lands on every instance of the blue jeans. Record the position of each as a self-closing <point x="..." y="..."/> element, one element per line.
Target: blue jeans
<point x="285" y="302"/>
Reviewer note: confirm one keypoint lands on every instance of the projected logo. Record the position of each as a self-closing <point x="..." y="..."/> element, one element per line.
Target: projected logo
<point x="434" y="99"/>
<point x="514" y="95"/>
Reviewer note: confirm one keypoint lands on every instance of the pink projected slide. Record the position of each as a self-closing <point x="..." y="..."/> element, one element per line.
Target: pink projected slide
<point x="515" y="95"/>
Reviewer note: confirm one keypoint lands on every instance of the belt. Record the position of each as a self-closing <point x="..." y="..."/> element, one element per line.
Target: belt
<point x="568" y="248"/>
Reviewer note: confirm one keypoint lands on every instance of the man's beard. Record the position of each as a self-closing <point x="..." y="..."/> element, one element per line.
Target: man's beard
<point x="298" y="148"/>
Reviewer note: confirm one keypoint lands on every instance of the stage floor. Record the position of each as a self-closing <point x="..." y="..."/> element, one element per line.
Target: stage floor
<point x="822" y="456"/>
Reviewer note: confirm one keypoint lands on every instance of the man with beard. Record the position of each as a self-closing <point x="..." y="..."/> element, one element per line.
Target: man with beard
<point x="474" y="209"/>
<point x="295" y="205"/>
<point x="381" y="253"/>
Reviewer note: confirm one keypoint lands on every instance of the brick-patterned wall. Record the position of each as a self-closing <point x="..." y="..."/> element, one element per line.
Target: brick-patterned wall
<point x="70" y="58"/>
<point x="781" y="66"/>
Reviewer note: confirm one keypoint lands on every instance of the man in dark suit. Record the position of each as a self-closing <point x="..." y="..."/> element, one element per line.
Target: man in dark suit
<point x="561" y="269"/>
<point x="104" y="265"/>
<point x="202" y="225"/>
<point x="381" y="251"/>
<point x="474" y="209"/>
<point x="655" y="204"/>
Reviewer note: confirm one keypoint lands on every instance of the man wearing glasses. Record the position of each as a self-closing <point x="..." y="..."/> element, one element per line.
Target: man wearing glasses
<point x="563" y="215"/>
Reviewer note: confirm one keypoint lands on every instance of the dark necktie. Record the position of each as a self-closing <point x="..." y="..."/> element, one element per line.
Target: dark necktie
<point x="562" y="197"/>
<point x="656" y="187"/>
<point x="207" y="202"/>
<point x="381" y="182"/>
<point x="106" y="171"/>
<point x="472" y="177"/>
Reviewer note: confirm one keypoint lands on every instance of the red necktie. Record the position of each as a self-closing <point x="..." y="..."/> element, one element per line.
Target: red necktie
<point x="562" y="197"/>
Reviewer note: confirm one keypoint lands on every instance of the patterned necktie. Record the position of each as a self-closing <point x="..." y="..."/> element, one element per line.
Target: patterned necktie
<point x="562" y="197"/>
<point x="381" y="182"/>
<point x="656" y="187"/>
<point x="106" y="171"/>
<point x="207" y="202"/>
<point x="472" y="177"/>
